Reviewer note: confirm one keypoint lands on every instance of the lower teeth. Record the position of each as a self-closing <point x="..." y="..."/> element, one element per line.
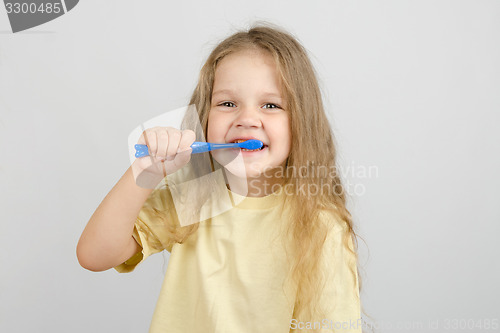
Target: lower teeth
<point x="251" y="149"/>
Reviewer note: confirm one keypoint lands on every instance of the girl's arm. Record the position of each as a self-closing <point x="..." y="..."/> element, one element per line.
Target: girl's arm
<point x="107" y="239"/>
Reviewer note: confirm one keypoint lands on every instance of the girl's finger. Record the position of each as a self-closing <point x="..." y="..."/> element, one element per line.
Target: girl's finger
<point x="187" y="140"/>
<point x="174" y="137"/>
<point x="162" y="139"/>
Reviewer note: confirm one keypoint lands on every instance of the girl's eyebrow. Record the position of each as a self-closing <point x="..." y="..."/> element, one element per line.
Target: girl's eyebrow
<point x="222" y="91"/>
<point x="229" y="91"/>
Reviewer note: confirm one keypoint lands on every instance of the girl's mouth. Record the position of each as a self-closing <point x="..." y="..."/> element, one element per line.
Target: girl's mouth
<point x="249" y="150"/>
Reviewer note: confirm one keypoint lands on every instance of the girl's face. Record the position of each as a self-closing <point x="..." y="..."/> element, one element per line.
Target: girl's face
<point x="247" y="104"/>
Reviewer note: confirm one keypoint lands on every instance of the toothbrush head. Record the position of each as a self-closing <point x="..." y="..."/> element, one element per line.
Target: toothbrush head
<point x="251" y="144"/>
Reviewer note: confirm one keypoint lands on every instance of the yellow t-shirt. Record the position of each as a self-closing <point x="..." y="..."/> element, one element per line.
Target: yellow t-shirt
<point x="229" y="275"/>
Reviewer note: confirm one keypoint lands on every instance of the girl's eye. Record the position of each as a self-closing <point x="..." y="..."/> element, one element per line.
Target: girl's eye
<point x="275" y="106"/>
<point x="226" y="104"/>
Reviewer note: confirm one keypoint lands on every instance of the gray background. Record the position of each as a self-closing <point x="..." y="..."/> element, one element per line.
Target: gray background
<point x="411" y="87"/>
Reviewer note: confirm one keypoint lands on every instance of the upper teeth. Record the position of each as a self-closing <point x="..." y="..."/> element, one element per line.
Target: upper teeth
<point x="239" y="140"/>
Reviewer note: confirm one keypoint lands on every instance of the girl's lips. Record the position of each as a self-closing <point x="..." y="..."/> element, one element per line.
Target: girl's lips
<point x="246" y="139"/>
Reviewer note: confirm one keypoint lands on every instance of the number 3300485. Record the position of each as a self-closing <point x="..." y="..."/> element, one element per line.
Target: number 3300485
<point x="32" y="8"/>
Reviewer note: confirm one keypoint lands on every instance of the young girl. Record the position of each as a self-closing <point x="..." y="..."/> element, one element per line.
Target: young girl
<point x="283" y="258"/>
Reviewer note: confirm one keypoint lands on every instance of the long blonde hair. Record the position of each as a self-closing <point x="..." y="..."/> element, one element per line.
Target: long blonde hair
<point x="312" y="146"/>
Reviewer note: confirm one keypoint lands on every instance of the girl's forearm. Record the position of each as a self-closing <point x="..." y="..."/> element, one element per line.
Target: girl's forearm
<point x="107" y="237"/>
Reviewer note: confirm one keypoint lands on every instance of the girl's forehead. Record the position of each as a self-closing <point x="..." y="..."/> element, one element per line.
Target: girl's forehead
<point x="238" y="67"/>
<point x="256" y="57"/>
<point x="250" y="71"/>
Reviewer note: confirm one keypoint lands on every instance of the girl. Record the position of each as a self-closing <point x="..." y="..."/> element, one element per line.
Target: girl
<point x="283" y="258"/>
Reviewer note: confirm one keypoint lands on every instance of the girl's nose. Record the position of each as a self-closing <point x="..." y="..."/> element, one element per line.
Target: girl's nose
<point x="248" y="117"/>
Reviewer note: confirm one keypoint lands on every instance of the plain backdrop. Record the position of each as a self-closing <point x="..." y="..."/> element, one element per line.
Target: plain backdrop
<point x="412" y="90"/>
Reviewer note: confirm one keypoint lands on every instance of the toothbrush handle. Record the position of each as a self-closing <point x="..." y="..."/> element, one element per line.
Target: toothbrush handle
<point x="198" y="147"/>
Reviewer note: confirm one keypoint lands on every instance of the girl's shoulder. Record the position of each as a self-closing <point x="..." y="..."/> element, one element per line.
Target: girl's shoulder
<point x="331" y="218"/>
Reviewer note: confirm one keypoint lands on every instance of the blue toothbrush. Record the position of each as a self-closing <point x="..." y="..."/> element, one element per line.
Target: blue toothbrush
<point x="201" y="147"/>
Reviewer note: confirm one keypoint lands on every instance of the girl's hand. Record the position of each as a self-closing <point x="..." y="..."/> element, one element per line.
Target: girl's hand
<point x="169" y="150"/>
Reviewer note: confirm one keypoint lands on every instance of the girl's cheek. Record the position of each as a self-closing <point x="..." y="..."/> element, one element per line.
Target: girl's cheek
<point x="209" y="131"/>
<point x="210" y="126"/>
